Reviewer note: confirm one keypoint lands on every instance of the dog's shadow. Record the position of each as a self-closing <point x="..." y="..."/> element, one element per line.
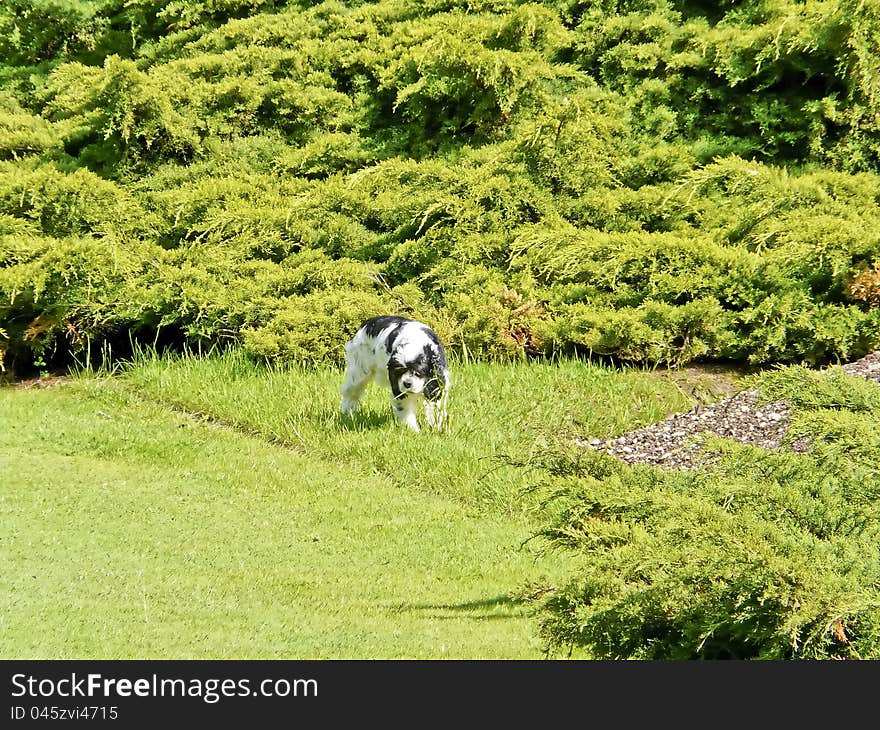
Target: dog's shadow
<point x="363" y="420"/>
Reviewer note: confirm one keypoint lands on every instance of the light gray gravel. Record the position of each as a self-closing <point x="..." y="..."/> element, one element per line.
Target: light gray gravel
<point x="868" y="367"/>
<point x="676" y="441"/>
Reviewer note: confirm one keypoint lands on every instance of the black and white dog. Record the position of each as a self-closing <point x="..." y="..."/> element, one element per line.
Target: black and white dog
<point x="405" y="356"/>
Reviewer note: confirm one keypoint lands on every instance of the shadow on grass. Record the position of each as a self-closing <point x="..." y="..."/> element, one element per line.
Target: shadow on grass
<point x="513" y="606"/>
<point x="363" y="421"/>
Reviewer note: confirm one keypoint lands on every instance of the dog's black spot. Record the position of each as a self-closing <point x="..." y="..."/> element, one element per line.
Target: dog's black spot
<point x="432" y="336"/>
<point x="392" y="338"/>
<point x="436" y="355"/>
<point x="420" y="365"/>
<point x="374" y="326"/>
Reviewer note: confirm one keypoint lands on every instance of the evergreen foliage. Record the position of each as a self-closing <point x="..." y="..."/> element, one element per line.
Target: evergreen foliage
<point x="767" y="555"/>
<point x="657" y="180"/>
<point x="660" y="181"/>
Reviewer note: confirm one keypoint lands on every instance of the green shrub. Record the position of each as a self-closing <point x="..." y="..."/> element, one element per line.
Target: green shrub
<point x="121" y="117"/>
<point x="656" y="181"/>
<point x="67" y="289"/>
<point x="22" y="133"/>
<point x="314" y="327"/>
<point x="33" y="31"/>
<point x="74" y="204"/>
<point x="757" y="78"/>
<point x="769" y="555"/>
<point x="493" y="319"/>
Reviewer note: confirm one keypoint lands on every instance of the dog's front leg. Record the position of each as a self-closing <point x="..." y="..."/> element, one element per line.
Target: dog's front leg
<point x="405" y="409"/>
<point x="435" y="413"/>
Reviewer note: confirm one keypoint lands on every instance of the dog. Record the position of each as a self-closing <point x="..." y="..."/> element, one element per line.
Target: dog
<point x="405" y="356"/>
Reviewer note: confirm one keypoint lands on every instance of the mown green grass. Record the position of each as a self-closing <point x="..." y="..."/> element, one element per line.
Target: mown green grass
<point x="496" y="412"/>
<point x="271" y="527"/>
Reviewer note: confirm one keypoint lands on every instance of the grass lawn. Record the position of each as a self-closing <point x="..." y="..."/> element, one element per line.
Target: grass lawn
<point x="208" y="508"/>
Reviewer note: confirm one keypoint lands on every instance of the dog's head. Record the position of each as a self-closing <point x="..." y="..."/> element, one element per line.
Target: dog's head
<point x="415" y="372"/>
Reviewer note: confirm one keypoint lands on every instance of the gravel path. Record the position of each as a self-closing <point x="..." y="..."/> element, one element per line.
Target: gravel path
<point x="868" y="367"/>
<point x="675" y="442"/>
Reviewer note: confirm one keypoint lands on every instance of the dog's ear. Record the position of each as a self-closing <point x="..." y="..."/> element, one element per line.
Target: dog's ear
<point x="395" y="369"/>
<point x="432" y="389"/>
<point x="435" y="383"/>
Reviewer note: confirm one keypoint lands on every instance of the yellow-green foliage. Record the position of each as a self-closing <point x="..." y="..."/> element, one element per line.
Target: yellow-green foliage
<point x="22" y="133"/>
<point x="765" y="555"/>
<point x="68" y="204"/>
<point x="656" y="180"/>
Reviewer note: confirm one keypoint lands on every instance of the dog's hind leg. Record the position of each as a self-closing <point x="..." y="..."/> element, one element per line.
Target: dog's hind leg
<point x="357" y="378"/>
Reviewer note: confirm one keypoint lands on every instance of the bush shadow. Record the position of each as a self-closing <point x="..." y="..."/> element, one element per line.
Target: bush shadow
<point x="486" y="609"/>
